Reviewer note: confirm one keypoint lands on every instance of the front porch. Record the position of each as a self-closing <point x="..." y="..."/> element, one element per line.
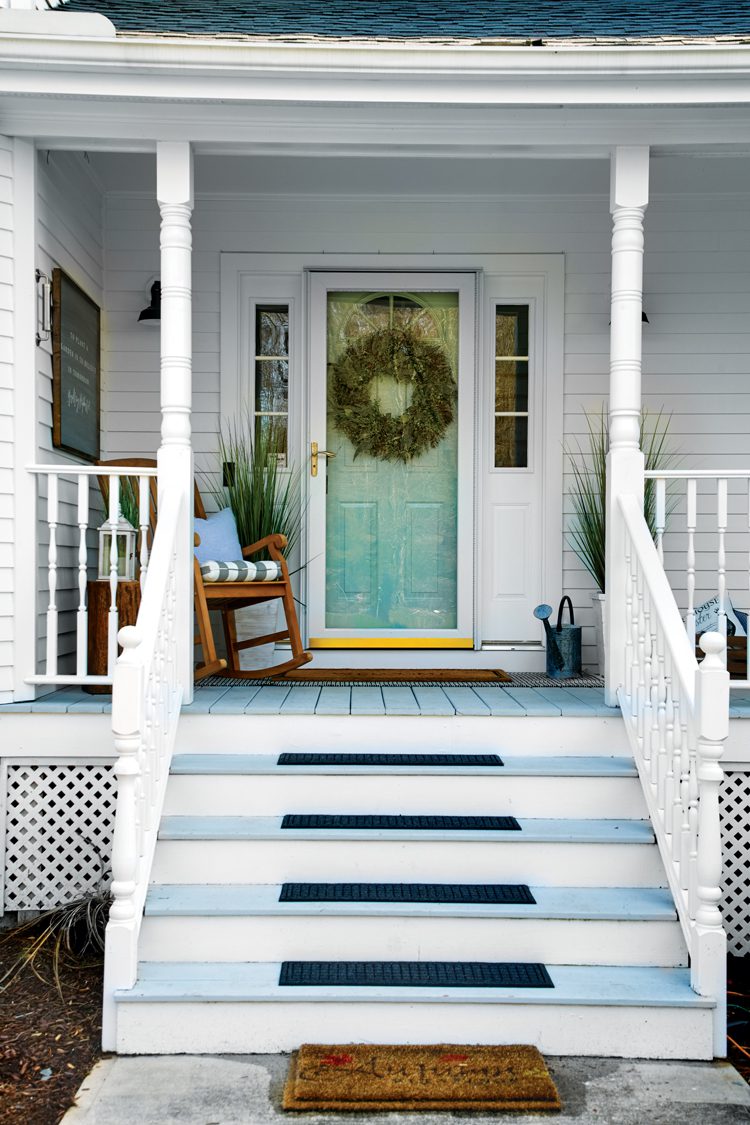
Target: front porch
<point x="615" y="257"/>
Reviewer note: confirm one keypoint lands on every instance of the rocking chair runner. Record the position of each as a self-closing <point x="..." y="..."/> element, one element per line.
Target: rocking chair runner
<point x="227" y="597"/>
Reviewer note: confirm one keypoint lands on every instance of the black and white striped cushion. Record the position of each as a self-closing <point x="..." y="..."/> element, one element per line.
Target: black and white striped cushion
<point x="240" y="571"/>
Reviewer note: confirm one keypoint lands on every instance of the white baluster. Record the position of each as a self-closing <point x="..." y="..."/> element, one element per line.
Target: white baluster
<point x="685" y="800"/>
<point x="721" y="553"/>
<point x="144" y="513"/>
<point x="635" y="617"/>
<point x="692" y="520"/>
<point x="82" y="631"/>
<point x="114" y="517"/>
<point x="660" y="515"/>
<point x="664" y="759"/>
<point x="52" y="518"/>
<point x="644" y="682"/>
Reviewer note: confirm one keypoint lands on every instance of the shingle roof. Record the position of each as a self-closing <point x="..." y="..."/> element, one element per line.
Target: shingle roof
<point x="444" y="19"/>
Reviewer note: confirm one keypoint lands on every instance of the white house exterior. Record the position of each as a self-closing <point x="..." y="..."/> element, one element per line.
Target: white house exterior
<point x="527" y="192"/>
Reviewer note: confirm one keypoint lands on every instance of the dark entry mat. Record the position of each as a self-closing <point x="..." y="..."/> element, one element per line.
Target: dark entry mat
<point x="426" y="823"/>
<point x="417" y="974"/>
<point x="458" y="893"/>
<point x="310" y="759"/>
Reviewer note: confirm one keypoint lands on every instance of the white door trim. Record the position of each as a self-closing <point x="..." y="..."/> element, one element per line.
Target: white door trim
<point x="549" y="269"/>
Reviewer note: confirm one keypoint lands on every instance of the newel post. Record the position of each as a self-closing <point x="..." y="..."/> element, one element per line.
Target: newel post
<point x="712" y="706"/>
<point x="628" y="200"/>
<point x="121" y="941"/>
<point x="174" y="189"/>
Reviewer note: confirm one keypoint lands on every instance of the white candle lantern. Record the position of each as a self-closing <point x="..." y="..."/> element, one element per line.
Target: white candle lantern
<point x="125" y="538"/>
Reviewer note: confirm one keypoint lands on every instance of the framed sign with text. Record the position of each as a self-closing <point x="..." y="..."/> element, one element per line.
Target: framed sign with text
<point x="76" y="369"/>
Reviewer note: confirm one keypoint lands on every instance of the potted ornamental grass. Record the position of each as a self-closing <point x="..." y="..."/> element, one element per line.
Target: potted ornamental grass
<point x="263" y="493"/>
<point x="588" y="495"/>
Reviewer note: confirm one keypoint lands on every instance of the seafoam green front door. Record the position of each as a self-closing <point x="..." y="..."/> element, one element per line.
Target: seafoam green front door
<point x="388" y="504"/>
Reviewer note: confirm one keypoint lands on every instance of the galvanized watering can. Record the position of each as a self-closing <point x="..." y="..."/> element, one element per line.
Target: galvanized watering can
<point x="563" y="642"/>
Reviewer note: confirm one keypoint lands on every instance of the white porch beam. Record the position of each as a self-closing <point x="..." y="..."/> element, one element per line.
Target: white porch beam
<point x="174" y="191"/>
<point x="629" y="186"/>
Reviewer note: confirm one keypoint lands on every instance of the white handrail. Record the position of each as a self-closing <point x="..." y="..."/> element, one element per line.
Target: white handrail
<point x="68" y="510"/>
<point x="677" y="717"/>
<point x="146" y="701"/>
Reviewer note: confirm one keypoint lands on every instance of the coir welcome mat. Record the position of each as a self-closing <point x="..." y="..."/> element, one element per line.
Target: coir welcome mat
<point x="444" y="1077"/>
<point x="396" y="675"/>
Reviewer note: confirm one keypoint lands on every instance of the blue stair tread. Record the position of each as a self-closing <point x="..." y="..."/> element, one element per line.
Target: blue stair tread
<point x="586" y="985"/>
<point x="518" y="765"/>
<point x="532" y="831"/>
<point x="600" y="903"/>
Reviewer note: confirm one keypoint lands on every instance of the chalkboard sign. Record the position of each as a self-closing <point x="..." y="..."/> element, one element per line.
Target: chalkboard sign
<point x="76" y="369"/>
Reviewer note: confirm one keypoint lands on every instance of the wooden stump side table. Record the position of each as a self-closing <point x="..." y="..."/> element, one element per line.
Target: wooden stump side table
<point x="128" y="604"/>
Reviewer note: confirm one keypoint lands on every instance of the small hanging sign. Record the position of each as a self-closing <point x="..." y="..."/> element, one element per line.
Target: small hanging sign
<point x="76" y="369"/>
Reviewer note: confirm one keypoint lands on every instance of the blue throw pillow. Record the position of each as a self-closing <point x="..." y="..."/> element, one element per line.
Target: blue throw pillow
<point x="219" y="538"/>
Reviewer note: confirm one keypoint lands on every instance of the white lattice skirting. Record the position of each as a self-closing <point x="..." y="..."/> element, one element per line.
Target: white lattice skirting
<point x="734" y="809"/>
<point x="58" y="832"/>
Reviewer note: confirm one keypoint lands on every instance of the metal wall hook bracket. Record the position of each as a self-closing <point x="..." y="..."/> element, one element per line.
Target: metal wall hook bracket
<point x="46" y="295"/>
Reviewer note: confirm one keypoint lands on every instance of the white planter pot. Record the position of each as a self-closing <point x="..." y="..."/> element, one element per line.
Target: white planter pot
<point x="599" y="600"/>
<point x="256" y="621"/>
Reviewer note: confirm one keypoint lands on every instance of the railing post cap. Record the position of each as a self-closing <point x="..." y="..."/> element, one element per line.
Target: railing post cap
<point x="129" y="637"/>
<point x="712" y="644"/>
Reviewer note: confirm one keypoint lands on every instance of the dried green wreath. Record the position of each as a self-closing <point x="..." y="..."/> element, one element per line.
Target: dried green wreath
<point x="404" y="357"/>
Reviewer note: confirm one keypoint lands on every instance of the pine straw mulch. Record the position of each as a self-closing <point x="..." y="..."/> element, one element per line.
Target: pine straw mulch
<point x="738" y="1014"/>
<point x="47" y="1044"/>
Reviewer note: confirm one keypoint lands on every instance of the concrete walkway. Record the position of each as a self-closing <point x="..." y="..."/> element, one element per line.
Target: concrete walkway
<point x="246" y="1090"/>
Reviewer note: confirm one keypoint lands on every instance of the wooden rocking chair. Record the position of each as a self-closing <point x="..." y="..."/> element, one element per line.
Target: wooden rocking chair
<point x="227" y="597"/>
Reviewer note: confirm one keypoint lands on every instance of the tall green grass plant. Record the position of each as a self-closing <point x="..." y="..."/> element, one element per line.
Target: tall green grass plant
<point x="263" y="495"/>
<point x="588" y="490"/>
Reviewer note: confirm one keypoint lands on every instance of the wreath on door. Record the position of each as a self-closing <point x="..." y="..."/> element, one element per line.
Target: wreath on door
<point x="400" y="355"/>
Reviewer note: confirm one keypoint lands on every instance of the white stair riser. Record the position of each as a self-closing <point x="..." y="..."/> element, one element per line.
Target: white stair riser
<point x="264" y="1028"/>
<point x="391" y="861"/>
<point x="265" y="734"/>
<point x="383" y="938"/>
<point x="264" y="795"/>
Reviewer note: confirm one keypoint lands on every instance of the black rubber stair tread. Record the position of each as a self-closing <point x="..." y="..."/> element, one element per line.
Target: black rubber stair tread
<point x="458" y="893"/>
<point x="310" y="759"/>
<point x="416" y="974"/>
<point x="424" y="823"/>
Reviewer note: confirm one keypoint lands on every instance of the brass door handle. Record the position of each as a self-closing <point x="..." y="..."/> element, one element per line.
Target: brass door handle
<point x="315" y="453"/>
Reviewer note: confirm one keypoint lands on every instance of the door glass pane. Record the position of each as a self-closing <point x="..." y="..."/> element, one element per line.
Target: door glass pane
<point x="511" y="386"/>
<point x="391" y="550"/>
<point x="272" y="375"/>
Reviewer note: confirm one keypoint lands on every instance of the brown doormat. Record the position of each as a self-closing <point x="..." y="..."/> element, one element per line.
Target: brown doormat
<point x="448" y="1077"/>
<point x="398" y="675"/>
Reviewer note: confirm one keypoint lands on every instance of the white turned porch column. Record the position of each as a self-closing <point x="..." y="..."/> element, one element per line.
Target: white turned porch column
<point x="625" y="463"/>
<point x="174" y="191"/>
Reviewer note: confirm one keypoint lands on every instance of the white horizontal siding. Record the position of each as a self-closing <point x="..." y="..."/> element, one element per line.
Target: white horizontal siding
<point x="69" y="235"/>
<point x="697" y="296"/>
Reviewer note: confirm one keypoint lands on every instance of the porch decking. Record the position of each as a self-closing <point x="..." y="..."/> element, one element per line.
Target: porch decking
<point x="369" y="699"/>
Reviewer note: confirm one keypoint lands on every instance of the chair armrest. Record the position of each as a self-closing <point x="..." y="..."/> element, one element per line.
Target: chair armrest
<point x="274" y="543"/>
